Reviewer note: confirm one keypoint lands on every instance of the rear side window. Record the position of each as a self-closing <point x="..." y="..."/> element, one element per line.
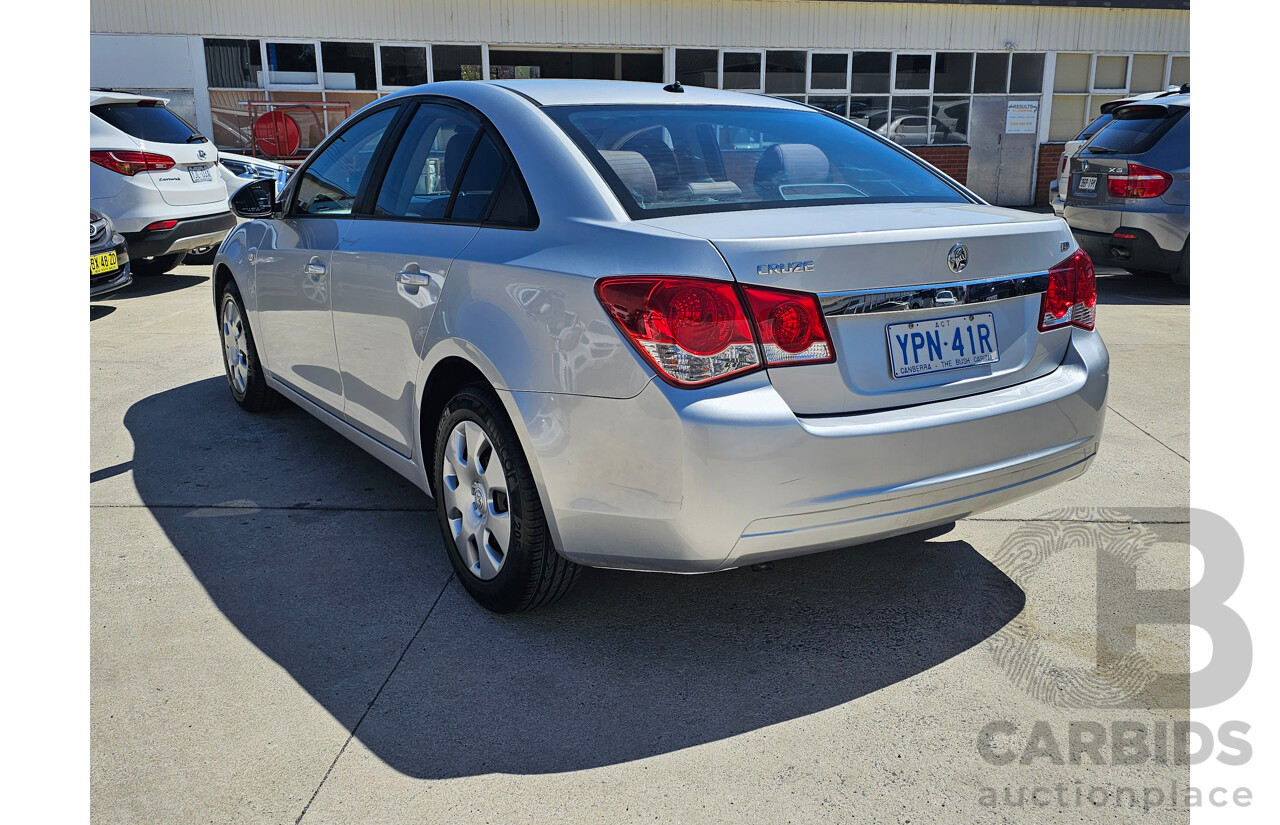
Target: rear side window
<point x="484" y="173"/>
<point x="1133" y="136"/>
<point x="678" y="160"/>
<point x="150" y="122"/>
<point x="331" y="182"/>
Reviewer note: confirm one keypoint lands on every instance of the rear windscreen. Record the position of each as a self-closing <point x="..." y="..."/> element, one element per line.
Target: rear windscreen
<point x="676" y="160"/>
<point x="151" y="123"/>
<point x="1093" y="128"/>
<point x="1131" y="136"/>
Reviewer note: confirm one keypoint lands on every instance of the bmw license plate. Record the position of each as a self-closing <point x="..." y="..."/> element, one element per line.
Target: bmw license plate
<point x="942" y="344"/>
<point x="200" y="174"/>
<point x="103" y="262"/>
<point x="1087" y="186"/>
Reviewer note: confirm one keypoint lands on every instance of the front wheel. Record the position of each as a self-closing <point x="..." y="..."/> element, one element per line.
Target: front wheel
<point x="491" y="518"/>
<point x="240" y="356"/>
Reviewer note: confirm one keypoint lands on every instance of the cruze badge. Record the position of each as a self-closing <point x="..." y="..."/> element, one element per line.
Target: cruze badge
<point x="958" y="257"/>
<point x="784" y="269"/>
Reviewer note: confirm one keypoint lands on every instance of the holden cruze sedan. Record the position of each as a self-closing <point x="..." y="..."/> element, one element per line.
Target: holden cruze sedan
<point x="655" y="328"/>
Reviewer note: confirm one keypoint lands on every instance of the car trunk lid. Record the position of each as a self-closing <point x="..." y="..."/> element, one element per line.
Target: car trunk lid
<point x="881" y="272"/>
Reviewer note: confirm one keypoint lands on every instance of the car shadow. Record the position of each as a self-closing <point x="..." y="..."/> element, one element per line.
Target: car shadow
<point x="145" y="285"/>
<point x="628" y="666"/>
<point x="97" y="311"/>
<point x="1118" y="287"/>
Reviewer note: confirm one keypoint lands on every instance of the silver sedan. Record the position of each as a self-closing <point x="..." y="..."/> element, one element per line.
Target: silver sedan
<point x="657" y="328"/>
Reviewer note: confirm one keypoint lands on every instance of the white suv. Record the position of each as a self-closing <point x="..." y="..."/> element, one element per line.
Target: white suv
<point x="156" y="177"/>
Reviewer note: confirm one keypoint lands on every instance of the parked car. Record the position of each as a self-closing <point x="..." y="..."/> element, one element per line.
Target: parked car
<point x="109" y="268"/>
<point x="1129" y="201"/>
<point x="1072" y="147"/>
<point x="593" y="356"/>
<point x="154" y="174"/>
<point x="236" y="171"/>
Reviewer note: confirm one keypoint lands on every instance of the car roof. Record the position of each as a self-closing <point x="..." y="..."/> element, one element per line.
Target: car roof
<point x="601" y="92"/>
<point x="97" y="96"/>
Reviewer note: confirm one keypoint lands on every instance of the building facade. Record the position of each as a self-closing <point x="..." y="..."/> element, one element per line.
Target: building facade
<point x="986" y="89"/>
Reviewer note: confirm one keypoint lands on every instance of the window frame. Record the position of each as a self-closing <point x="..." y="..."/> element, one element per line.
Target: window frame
<point x="268" y="86"/>
<point x="848" y="73"/>
<point x="1095" y="89"/>
<point x="720" y="69"/>
<point x="377" y="61"/>
<point x="894" y="91"/>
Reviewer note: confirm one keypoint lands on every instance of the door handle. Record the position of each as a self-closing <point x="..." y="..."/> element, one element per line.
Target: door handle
<point x="314" y="268"/>
<point x="413" y="277"/>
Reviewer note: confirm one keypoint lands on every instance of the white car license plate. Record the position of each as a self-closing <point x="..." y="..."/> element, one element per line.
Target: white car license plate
<point x="1088" y="185"/>
<point x="942" y="344"/>
<point x="199" y="174"/>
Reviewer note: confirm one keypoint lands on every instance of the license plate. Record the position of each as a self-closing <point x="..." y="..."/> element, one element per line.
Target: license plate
<point x="200" y="174"/>
<point x="1087" y="185"/>
<point x="942" y="344"/>
<point x="103" y="262"/>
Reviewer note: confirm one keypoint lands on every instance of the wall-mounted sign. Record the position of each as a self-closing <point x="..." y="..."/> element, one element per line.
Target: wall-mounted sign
<point x="1021" y="117"/>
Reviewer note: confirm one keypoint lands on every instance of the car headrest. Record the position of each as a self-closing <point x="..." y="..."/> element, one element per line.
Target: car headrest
<point x="790" y="163"/>
<point x="635" y="172"/>
<point x="455" y="152"/>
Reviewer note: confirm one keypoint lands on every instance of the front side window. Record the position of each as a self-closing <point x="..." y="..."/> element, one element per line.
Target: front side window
<point x="676" y="160"/>
<point x="331" y="182"/>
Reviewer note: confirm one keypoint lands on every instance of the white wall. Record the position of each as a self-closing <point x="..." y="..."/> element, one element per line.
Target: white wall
<point x="170" y="65"/>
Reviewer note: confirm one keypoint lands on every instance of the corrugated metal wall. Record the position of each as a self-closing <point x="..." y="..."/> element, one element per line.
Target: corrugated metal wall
<point x="765" y="23"/>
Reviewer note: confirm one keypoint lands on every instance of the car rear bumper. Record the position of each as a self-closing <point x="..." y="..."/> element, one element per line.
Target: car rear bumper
<point x="1129" y="247"/>
<point x="186" y="235"/>
<point x="693" y="481"/>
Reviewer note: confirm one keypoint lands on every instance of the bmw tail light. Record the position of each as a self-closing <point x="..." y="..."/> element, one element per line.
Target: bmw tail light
<point x="1072" y="296"/>
<point x="791" y="326"/>
<point x="1140" y="182"/>
<point x="130" y="163"/>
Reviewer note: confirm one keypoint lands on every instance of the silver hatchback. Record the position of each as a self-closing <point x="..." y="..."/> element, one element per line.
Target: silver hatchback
<point x="656" y="328"/>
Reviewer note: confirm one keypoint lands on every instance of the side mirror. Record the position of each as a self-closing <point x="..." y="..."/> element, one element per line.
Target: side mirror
<point x="256" y="199"/>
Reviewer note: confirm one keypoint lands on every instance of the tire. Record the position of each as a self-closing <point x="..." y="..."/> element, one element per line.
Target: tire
<point x="240" y="356"/>
<point x="1183" y="276"/>
<point x="158" y="265"/>
<point x="202" y="256"/>
<point x="477" y="462"/>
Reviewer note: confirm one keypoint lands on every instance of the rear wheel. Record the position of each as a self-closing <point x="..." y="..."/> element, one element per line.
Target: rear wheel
<point x="1183" y="276"/>
<point x="201" y="256"/>
<point x="491" y="518"/>
<point x="240" y="356"/>
<point x="157" y="265"/>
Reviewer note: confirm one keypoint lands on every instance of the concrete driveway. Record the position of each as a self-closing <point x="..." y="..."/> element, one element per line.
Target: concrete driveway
<point x="277" y="637"/>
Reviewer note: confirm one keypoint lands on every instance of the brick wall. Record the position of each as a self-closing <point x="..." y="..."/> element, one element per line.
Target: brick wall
<point x="954" y="160"/>
<point x="1050" y="155"/>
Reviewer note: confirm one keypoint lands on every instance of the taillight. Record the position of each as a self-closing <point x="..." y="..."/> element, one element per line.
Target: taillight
<point x="1140" y="182"/>
<point x="1072" y="296"/>
<point x="128" y="162"/>
<point x="696" y="332"/>
<point x="791" y="327"/>
<point x="693" y="331"/>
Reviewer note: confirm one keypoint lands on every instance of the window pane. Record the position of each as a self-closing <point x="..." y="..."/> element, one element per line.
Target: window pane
<point x="951" y="72"/>
<point x="455" y="62"/>
<point x="403" y="65"/>
<point x="871" y="112"/>
<point x="784" y="72"/>
<point x="484" y="173"/>
<point x="512" y="207"/>
<point x="910" y="121"/>
<point x="1071" y="73"/>
<point x="231" y="123"/>
<point x="1028" y="74"/>
<point x="838" y="104"/>
<point x="913" y="71"/>
<point x="829" y="71"/>
<point x="1067" y="118"/>
<point x="292" y="64"/>
<point x="991" y="73"/>
<point x="233" y="64"/>
<point x="330" y="184"/>
<point x="697" y="67"/>
<point x="951" y="119"/>
<point x="426" y="163"/>
<point x="871" y="71"/>
<point x="646" y="68"/>
<point x="1109" y="73"/>
<point x="1180" y="71"/>
<point x="741" y="70"/>
<point x="1148" y="73"/>
<point x="348" y="66"/>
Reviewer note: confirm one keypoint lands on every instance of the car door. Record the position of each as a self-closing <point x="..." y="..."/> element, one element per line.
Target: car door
<point x="390" y="267"/>
<point x="291" y="265"/>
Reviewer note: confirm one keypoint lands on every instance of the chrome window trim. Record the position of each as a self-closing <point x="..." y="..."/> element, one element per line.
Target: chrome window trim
<point x="909" y="298"/>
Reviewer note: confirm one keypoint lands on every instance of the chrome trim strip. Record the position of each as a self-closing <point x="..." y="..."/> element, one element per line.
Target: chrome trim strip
<point x="903" y="299"/>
